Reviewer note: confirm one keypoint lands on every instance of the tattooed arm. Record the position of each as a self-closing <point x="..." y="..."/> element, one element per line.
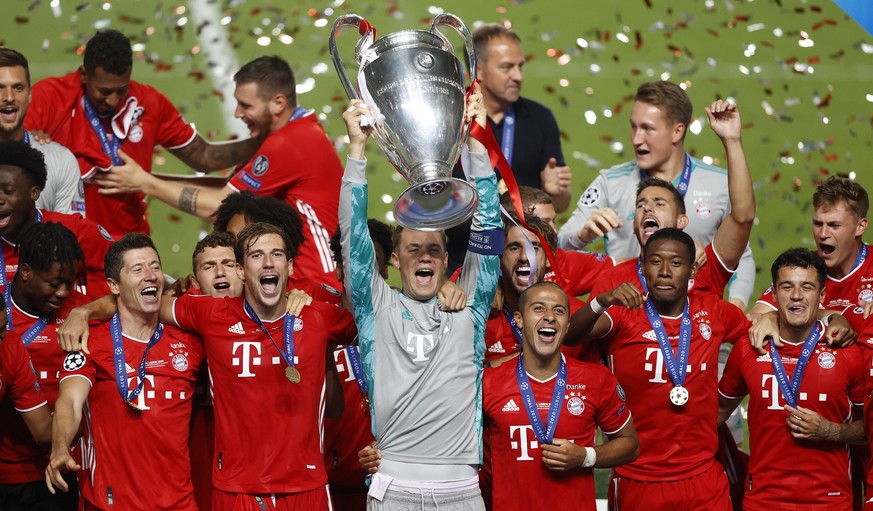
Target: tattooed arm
<point x="207" y="156"/>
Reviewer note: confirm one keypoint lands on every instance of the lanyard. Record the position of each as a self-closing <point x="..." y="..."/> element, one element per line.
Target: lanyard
<point x="683" y="181"/>
<point x="510" y="318"/>
<point x="508" y="133"/>
<point x="26" y="137"/>
<point x="110" y="145"/>
<point x="545" y="434"/>
<point x="640" y="275"/>
<point x="298" y="113"/>
<point x="678" y="365"/>
<point x="862" y="256"/>
<point x="789" y="388"/>
<point x="119" y="363"/>
<point x="35" y="329"/>
<point x="288" y="338"/>
<point x="353" y="356"/>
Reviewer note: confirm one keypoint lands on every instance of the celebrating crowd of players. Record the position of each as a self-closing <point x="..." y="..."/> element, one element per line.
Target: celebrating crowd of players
<point x="287" y="362"/>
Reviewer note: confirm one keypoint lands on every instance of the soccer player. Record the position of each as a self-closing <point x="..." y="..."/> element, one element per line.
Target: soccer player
<point x="38" y="300"/>
<point x="541" y="411"/>
<point x="63" y="187"/>
<point x="839" y="221"/>
<point x="297" y="164"/>
<point x="423" y="367"/>
<point x="659" y="204"/>
<point x="134" y="389"/>
<point x="215" y="268"/>
<point x="22" y="177"/>
<point x="659" y="123"/>
<point x="790" y="391"/>
<point x="97" y="111"/>
<point x="665" y="356"/>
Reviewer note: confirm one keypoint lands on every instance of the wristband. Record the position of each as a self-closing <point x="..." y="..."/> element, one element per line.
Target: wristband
<point x="596" y="307"/>
<point x="590" y="457"/>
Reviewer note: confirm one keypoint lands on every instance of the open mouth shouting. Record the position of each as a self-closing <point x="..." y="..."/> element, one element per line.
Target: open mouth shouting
<point x="9" y="114"/>
<point x="270" y="284"/>
<point x="424" y="277"/>
<point x="649" y="226"/>
<point x="547" y="334"/>
<point x="826" y="250"/>
<point x="150" y="294"/>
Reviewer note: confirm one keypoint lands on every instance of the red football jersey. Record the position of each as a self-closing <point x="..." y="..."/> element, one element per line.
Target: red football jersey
<point x="146" y="118"/>
<point x="299" y="165"/>
<point x="578" y="271"/>
<point x="93" y="239"/>
<point x="711" y="278"/>
<point x="255" y="405"/>
<point x="676" y="442"/>
<point x="138" y="459"/>
<point x="21" y="459"/>
<point x="786" y="473"/>
<point x="18" y="377"/>
<point x="856" y="287"/>
<point x="344" y="437"/>
<point x="520" y="479"/>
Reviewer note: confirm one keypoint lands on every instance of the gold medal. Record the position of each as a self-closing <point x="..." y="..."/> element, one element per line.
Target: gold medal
<point x="365" y="404"/>
<point x="292" y="374"/>
<point x="130" y="404"/>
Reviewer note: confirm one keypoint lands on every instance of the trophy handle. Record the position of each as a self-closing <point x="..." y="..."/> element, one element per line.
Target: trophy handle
<point x="450" y="20"/>
<point x="347" y="20"/>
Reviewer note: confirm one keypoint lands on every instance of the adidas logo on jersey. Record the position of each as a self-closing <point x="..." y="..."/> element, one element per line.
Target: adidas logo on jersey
<point x="650" y="335"/>
<point x="496" y="348"/>
<point x="510" y="406"/>
<point x="237" y="328"/>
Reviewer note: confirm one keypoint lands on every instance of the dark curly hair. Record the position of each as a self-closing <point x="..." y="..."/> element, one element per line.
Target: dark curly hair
<point x="109" y="49"/>
<point x="261" y="209"/>
<point x="15" y="153"/>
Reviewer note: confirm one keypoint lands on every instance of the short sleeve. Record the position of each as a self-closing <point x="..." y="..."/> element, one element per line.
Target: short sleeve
<point x="732" y="384"/>
<point x="612" y="414"/>
<point x="19" y="374"/>
<point x="267" y="174"/>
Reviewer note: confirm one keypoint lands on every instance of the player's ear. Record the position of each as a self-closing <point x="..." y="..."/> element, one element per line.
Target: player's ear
<point x="240" y="274"/>
<point x="682" y="222"/>
<point x="518" y="320"/>
<point x="290" y="267"/>
<point x="395" y="261"/>
<point x="113" y="286"/>
<point x="862" y="226"/>
<point x="83" y="75"/>
<point x="278" y="104"/>
<point x="34" y="193"/>
<point x="25" y="271"/>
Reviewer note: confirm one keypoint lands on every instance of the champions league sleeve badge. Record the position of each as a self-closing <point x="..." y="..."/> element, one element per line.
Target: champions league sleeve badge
<point x="261" y="165"/>
<point x="590" y="197"/>
<point x="74" y="361"/>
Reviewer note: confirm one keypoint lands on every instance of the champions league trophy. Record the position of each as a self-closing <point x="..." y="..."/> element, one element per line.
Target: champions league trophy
<point x="414" y="86"/>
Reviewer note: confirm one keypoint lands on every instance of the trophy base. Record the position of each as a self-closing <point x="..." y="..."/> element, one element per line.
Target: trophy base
<point x="436" y="205"/>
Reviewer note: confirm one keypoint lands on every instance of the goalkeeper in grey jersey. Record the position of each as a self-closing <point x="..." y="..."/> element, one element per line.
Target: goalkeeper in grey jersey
<point x="423" y="367"/>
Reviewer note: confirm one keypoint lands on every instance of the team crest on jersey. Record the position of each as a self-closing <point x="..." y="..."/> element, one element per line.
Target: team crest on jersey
<point x="705" y="331"/>
<point x="591" y="196"/>
<point x="135" y="134"/>
<point x="866" y="295"/>
<point x="180" y="362"/>
<point x="575" y="405"/>
<point x="74" y="361"/>
<point x="620" y="391"/>
<point x="826" y="360"/>
<point x="298" y="324"/>
<point x="703" y="210"/>
<point x="261" y="165"/>
<point x="105" y="234"/>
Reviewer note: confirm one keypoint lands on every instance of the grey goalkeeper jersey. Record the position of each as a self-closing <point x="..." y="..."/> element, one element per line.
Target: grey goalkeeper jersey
<point x="423" y="366"/>
<point x="707" y="204"/>
<point x="63" y="190"/>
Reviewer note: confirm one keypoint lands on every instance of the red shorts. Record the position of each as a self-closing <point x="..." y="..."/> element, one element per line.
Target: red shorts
<point x="315" y="500"/>
<point x="707" y="491"/>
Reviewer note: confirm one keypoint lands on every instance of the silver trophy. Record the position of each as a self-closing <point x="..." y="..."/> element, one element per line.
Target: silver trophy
<point x="414" y="86"/>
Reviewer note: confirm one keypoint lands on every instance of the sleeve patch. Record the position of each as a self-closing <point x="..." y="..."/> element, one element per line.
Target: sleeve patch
<point x="261" y="165"/>
<point x="74" y="361"/>
<point x="590" y="197"/>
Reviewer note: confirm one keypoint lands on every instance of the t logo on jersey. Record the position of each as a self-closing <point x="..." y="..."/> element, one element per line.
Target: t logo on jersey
<point x="657" y="369"/>
<point x="770" y="390"/>
<point x="247" y="359"/>
<point x="418" y="344"/>
<point x="145" y="394"/>
<point x="526" y="442"/>
<point x="342" y="366"/>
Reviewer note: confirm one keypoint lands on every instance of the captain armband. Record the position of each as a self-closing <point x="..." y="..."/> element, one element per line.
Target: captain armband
<point x="488" y="242"/>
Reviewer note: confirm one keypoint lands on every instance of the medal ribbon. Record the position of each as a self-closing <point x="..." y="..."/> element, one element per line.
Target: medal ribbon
<point x="510" y="318"/>
<point x="26" y="137"/>
<point x="862" y="256"/>
<point x="789" y="389"/>
<point x="545" y="434"/>
<point x="508" y="133"/>
<point x="354" y="358"/>
<point x="683" y="181"/>
<point x="118" y="359"/>
<point x="678" y="365"/>
<point x="298" y="113"/>
<point x="288" y="352"/>
<point x="640" y="275"/>
<point x="34" y="330"/>
<point x="110" y="145"/>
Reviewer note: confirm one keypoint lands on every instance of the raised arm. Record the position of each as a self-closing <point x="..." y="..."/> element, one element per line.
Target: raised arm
<point x="733" y="234"/>
<point x="205" y="156"/>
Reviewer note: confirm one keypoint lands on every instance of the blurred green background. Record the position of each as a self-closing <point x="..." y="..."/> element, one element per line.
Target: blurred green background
<point x="800" y="71"/>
